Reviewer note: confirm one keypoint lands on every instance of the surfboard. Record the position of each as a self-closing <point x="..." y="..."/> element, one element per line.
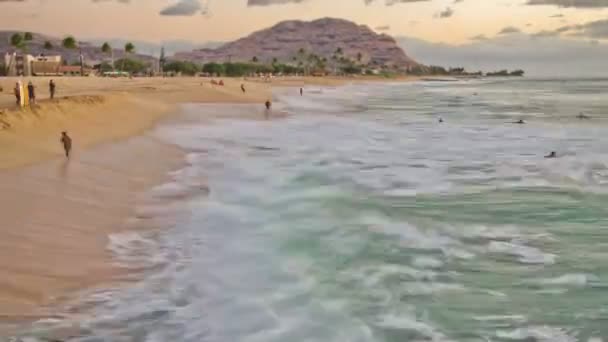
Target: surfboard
<point x="22" y="93"/>
<point x="26" y="96"/>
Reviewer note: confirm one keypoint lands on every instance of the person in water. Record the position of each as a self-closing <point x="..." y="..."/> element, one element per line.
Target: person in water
<point x="583" y="116"/>
<point x="67" y="143"/>
<point x="551" y="155"/>
<point x="520" y="122"/>
<point x="440" y="120"/>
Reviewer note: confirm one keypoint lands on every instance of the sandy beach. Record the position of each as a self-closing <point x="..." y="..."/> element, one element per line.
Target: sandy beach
<point x="57" y="214"/>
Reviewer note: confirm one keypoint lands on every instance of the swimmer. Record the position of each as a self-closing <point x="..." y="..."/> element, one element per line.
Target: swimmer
<point x="551" y="155"/>
<point x="583" y="116"/>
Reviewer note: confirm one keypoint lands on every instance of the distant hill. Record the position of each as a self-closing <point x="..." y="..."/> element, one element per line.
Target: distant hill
<point x="92" y="53"/>
<point x="327" y="38"/>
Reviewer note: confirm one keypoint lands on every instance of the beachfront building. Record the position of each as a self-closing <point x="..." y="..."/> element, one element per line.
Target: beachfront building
<point x="28" y="65"/>
<point x="73" y="70"/>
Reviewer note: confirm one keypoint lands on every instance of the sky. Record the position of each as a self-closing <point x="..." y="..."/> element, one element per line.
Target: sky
<point x="425" y="24"/>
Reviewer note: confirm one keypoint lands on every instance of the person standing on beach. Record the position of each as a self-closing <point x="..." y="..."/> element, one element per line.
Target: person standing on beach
<point x="52" y="88"/>
<point x="301" y="91"/>
<point x="243" y="88"/>
<point x="18" y="93"/>
<point x="31" y="93"/>
<point x="268" y="104"/>
<point x="67" y="143"/>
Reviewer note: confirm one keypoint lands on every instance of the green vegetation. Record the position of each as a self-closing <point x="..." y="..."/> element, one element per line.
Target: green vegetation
<point x="48" y="45"/>
<point x="17" y="40"/>
<point x="129" y="48"/>
<point x="184" y="68"/>
<point x="506" y="73"/>
<point x="106" y="48"/>
<point x="213" y="68"/>
<point x="3" y="70"/>
<point x="131" y="65"/>
<point x="105" y="67"/>
<point x="69" y="42"/>
<point x="28" y="36"/>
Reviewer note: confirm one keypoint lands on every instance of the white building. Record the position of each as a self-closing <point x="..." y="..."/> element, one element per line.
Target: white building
<point x="28" y="65"/>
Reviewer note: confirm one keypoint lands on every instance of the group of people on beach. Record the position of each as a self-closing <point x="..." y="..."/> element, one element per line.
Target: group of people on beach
<point x="31" y="92"/>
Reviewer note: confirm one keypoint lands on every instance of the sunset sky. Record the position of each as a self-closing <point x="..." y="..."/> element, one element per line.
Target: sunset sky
<point x="448" y="21"/>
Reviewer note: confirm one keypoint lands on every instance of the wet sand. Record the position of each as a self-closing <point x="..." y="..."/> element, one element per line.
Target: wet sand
<point x="57" y="214"/>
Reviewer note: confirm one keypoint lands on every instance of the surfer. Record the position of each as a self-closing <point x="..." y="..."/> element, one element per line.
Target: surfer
<point x="17" y="91"/>
<point x="551" y="155"/>
<point x="52" y="88"/>
<point x="519" y="122"/>
<point x="440" y="120"/>
<point x="583" y="116"/>
<point x="31" y="93"/>
<point x="67" y="143"/>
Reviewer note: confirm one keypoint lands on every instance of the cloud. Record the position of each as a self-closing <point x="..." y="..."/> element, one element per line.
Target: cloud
<point x="446" y="13"/>
<point x="595" y="30"/>
<point x="283" y="2"/>
<point x="272" y="2"/>
<point x="571" y="3"/>
<point x="509" y="30"/>
<point x="383" y="28"/>
<point x="479" y="37"/>
<point x="183" y="8"/>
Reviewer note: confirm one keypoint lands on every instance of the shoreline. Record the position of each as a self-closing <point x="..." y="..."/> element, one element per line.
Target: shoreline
<point x="60" y="214"/>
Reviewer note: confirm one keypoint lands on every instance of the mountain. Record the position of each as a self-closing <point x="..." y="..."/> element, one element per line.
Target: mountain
<point x="153" y="48"/>
<point x="91" y="52"/>
<point x="321" y="37"/>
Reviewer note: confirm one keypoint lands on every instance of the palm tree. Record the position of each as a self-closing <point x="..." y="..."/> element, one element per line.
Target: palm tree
<point x="69" y="43"/>
<point x="28" y="36"/>
<point x="17" y="40"/>
<point x="359" y="57"/>
<point x="129" y="48"/>
<point x="106" y="48"/>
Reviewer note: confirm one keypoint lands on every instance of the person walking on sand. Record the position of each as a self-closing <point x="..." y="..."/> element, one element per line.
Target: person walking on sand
<point x="243" y="88"/>
<point x="31" y="93"/>
<point x="67" y="143"/>
<point x="17" y="91"/>
<point x="301" y="91"/>
<point x="52" y="88"/>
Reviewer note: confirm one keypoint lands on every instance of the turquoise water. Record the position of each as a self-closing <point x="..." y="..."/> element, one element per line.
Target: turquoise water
<point x="361" y="218"/>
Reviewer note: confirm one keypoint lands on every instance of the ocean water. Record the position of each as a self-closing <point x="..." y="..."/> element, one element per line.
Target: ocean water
<point x="360" y="217"/>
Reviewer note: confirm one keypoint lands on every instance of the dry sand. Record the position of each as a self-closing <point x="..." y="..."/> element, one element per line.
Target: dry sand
<point x="56" y="214"/>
